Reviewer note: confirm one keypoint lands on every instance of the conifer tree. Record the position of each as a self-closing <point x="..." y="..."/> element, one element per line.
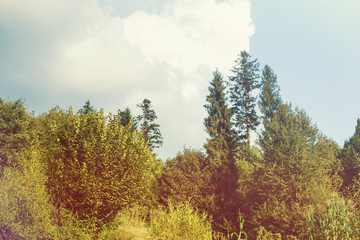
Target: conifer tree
<point x="269" y="94"/>
<point x="221" y="150"/>
<point x="151" y="130"/>
<point x="299" y="166"/>
<point x="87" y="108"/>
<point x="242" y="84"/>
<point x="350" y="157"/>
<point x="218" y="124"/>
<point x="126" y="118"/>
<point x="15" y="131"/>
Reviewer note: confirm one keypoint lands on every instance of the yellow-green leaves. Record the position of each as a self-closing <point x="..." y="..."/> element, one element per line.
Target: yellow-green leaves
<point x="95" y="165"/>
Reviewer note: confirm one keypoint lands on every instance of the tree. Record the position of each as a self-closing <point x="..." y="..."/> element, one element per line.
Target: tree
<point x="269" y="94"/>
<point x="15" y="131"/>
<point x="151" y="130"/>
<point x="95" y="166"/>
<point x="300" y="169"/>
<point x="188" y="177"/>
<point x="126" y="118"/>
<point x="350" y="157"/>
<point x="242" y="85"/>
<point x="218" y="124"/>
<point x="87" y="108"/>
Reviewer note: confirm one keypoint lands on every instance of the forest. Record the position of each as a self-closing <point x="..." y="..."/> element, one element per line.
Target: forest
<point x="82" y="174"/>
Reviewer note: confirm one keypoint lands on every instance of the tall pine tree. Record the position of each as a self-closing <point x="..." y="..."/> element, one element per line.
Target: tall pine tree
<point x="151" y="130"/>
<point x="242" y="84"/>
<point x="218" y="124"/>
<point x="221" y="150"/>
<point x="269" y="94"/>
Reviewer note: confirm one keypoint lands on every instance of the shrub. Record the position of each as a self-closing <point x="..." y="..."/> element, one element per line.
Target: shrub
<point x="180" y="222"/>
<point x="95" y="165"/>
<point x="25" y="208"/>
<point x="338" y="222"/>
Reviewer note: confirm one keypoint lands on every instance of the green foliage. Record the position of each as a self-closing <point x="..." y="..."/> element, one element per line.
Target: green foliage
<point x="127" y="118"/>
<point x="299" y="172"/>
<point x="151" y="130"/>
<point x="220" y="146"/>
<point x="180" y="222"/>
<point x="246" y="191"/>
<point x="269" y="95"/>
<point x="288" y="139"/>
<point x="25" y="209"/>
<point x="87" y="108"/>
<point x="15" y="131"/>
<point x="188" y="177"/>
<point x="350" y="157"/>
<point x="242" y="85"/>
<point x="340" y="221"/>
<point x="95" y="165"/>
<point x="242" y="235"/>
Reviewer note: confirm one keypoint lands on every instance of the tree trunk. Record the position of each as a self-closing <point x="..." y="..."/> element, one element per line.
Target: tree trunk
<point x="247" y="117"/>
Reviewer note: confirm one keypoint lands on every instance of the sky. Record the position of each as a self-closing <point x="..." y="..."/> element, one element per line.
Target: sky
<point x="118" y="52"/>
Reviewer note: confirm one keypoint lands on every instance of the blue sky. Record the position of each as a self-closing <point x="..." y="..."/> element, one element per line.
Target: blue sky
<point x="116" y="53"/>
<point x="313" y="47"/>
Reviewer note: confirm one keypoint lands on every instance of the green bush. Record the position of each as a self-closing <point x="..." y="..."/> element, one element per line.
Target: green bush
<point x="25" y="207"/>
<point x="180" y="222"/>
<point x="95" y="165"/>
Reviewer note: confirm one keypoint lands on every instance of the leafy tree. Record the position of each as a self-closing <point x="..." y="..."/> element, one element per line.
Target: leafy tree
<point x="151" y="130"/>
<point x="350" y="157"/>
<point x="218" y="124"/>
<point x="242" y="84"/>
<point x="188" y="177"/>
<point x="87" y="108"/>
<point x="96" y="166"/>
<point x="269" y="94"/>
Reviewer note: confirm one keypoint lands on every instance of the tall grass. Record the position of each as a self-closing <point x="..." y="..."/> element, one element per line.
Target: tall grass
<point x="180" y="222"/>
<point x="339" y="222"/>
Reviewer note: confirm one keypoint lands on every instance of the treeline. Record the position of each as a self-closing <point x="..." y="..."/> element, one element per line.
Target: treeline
<point x="87" y="175"/>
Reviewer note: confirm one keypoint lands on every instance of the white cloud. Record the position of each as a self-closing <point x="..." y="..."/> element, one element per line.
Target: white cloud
<point x="74" y="48"/>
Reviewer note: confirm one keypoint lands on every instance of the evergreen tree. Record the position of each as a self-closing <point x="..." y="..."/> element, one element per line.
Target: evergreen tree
<point x="16" y="133"/>
<point x="242" y="85"/>
<point x="151" y="130"/>
<point x="87" y="108"/>
<point x="218" y="123"/>
<point x="350" y="157"/>
<point x="299" y="169"/>
<point x="269" y="95"/>
<point x="221" y="150"/>
<point x="126" y="118"/>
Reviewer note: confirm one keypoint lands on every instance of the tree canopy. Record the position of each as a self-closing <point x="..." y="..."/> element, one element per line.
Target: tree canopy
<point x="151" y="130"/>
<point x="242" y="85"/>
